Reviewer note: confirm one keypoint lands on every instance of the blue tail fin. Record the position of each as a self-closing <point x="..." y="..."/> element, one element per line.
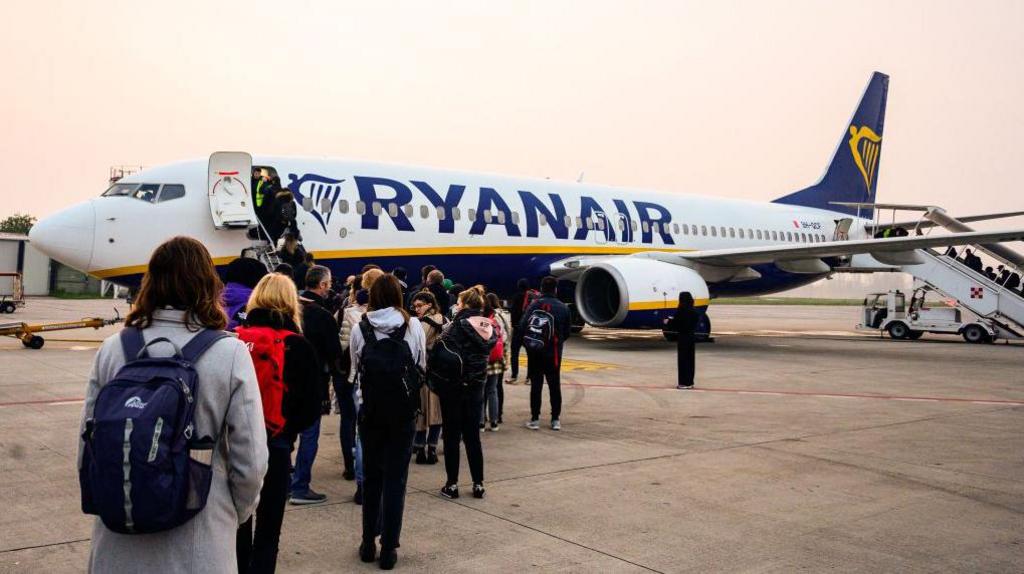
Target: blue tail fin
<point x="853" y="173"/>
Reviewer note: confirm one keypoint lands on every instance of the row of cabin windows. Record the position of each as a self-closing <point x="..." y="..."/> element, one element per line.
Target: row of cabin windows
<point x="590" y="223"/>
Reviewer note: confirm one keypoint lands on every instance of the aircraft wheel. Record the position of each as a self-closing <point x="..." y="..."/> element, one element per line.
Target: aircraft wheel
<point x="898" y="330"/>
<point x="670" y="336"/>
<point x="915" y="335"/>
<point x="36" y="342"/>
<point x="974" y="334"/>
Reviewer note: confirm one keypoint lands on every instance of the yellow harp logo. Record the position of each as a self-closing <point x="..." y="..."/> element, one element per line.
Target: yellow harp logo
<point x="865" y="145"/>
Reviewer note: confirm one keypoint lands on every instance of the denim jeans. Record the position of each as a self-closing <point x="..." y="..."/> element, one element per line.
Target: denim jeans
<point x="345" y="392"/>
<point x="427" y="437"/>
<point x="309" y="443"/>
<point x="489" y="410"/>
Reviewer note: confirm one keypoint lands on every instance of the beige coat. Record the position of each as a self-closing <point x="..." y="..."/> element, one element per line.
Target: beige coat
<point x="228" y="400"/>
<point x="431" y="404"/>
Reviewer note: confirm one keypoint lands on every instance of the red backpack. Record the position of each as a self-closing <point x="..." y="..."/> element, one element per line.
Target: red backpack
<point x="266" y="346"/>
<point x="529" y="297"/>
<point x="498" y="350"/>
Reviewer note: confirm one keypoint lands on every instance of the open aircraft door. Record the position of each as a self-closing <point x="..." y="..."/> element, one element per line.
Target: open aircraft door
<point x="228" y="182"/>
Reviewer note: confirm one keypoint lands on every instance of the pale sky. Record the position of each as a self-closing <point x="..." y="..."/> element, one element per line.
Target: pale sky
<point x="731" y="99"/>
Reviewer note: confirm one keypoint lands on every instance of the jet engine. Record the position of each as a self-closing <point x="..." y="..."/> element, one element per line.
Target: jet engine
<point x="641" y="290"/>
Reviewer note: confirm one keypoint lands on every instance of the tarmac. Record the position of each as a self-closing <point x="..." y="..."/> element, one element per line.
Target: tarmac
<point x="804" y="447"/>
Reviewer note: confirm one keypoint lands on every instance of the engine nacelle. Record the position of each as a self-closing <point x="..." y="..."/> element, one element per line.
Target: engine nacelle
<point x="634" y="292"/>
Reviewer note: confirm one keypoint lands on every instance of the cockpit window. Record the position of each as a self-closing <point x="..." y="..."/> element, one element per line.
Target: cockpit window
<point x="171" y="191"/>
<point x="148" y="192"/>
<point x="119" y="189"/>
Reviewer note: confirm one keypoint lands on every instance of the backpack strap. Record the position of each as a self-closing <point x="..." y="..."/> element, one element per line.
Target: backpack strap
<point x="200" y="343"/>
<point x="399" y="334"/>
<point x="132" y="343"/>
<point x="367" y="329"/>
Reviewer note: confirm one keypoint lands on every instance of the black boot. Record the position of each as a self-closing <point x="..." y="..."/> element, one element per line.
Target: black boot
<point x="388" y="558"/>
<point x="421" y="455"/>
<point x="368" y="551"/>
<point x="431" y="455"/>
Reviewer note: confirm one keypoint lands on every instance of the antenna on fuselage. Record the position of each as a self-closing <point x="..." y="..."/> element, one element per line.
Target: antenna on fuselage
<point x="579" y="179"/>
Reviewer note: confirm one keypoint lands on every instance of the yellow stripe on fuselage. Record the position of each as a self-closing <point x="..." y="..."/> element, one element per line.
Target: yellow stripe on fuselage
<point x="568" y="250"/>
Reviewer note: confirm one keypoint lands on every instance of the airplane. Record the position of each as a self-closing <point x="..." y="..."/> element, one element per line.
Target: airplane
<point x="623" y="254"/>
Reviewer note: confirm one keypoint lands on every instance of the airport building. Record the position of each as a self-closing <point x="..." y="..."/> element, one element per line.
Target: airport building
<point x="40" y="275"/>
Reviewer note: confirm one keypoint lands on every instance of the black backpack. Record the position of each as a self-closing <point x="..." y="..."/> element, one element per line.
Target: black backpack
<point x="540" y="330"/>
<point x="389" y="378"/>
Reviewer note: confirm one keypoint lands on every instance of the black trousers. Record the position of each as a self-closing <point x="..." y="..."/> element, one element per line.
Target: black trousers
<point x="540" y="368"/>
<point x="685" y="360"/>
<point x="517" y="344"/>
<point x="257" y="552"/>
<point x="460" y="420"/>
<point x="386" y="452"/>
<point x="343" y="390"/>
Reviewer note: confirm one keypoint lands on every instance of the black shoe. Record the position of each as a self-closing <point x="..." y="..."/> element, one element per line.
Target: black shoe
<point x="368" y="551"/>
<point x="684" y="387"/>
<point x="309" y="497"/>
<point x="432" y="455"/>
<point x="358" y="496"/>
<point x="348" y="474"/>
<point x="450" y="491"/>
<point x="421" y="456"/>
<point x="388" y="558"/>
<point x="478" y="490"/>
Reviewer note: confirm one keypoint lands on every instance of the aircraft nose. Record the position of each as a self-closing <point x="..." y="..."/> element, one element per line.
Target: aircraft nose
<point x="67" y="235"/>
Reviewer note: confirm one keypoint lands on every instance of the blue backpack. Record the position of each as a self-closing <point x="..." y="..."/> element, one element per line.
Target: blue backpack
<point x="137" y="473"/>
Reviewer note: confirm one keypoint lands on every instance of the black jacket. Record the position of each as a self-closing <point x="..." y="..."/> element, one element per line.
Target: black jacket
<point x="684" y="322"/>
<point x="461" y="337"/>
<point x="563" y="320"/>
<point x="302" y="402"/>
<point x="516" y="309"/>
<point x="443" y="301"/>
<point x="322" y="331"/>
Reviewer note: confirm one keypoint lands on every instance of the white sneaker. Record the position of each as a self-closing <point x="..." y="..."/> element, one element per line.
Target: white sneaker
<point x="556" y="425"/>
<point x="533" y="425"/>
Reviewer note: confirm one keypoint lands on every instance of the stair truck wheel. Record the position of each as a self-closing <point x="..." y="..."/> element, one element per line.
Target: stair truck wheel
<point x="898" y="330"/>
<point x="974" y="334"/>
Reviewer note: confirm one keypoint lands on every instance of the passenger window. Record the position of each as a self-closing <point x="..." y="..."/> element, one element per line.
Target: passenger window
<point x="456" y="213"/>
<point x="392" y="209"/>
<point x="704" y="230"/>
<point x="543" y="220"/>
<point x="501" y="218"/>
<point x="775" y="235"/>
<point x="471" y="214"/>
<point x="714" y="231"/>
<point x="361" y="207"/>
<point x="515" y="217"/>
<point x="686" y="229"/>
<point x="146" y="192"/>
<point x="600" y="224"/>
<point x="646" y="227"/>
<point x="440" y="213"/>
<point x="675" y="228"/>
<point x="732" y="232"/>
<point x="307" y="203"/>
<point x="171" y="191"/>
<point x="590" y="223"/>
<point x="622" y="225"/>
<point x="759" y="234"/>
<point x="343" y="206"/>
<point x="376" y="208"/>
<point x="741" y="233"/>
<point x="632" y="224"/>
<point x="579" y="222"/>
<point x="407" y="209"/>
<point x="424" y="211"/>
<point x="723" y="231"/>
<point x="487" y="215"/>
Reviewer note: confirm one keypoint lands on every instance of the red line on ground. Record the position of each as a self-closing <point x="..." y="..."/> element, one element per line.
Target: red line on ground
<point x="42" y="402"/>
<point x="803" y="393"/>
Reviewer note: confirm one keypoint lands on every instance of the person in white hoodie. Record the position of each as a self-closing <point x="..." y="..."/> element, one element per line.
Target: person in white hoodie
<point x="387" y="423"/>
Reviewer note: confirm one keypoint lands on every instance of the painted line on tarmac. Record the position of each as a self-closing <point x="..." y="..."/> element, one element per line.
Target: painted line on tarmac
<point x="44" y="402"/>
<point x="805" y="394"/>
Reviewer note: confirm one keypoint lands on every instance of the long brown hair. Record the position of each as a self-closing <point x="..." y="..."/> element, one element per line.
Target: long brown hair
<point x="180" y="275"/>
<point x="276" y="293"/>
<point x="473" y="298"/>
<point x="386" y="292"/>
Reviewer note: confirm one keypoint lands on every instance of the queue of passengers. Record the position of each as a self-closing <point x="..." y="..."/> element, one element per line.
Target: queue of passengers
<point x="187" y="432"/>
<point x="1001" y="275"/>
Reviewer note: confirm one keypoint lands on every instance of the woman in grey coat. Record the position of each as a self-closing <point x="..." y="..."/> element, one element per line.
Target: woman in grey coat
<point x="180" y="295"/>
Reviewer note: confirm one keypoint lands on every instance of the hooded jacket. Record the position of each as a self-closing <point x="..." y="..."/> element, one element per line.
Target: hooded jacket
<point x="472" y="337"/>
<point x="385" y="322"/>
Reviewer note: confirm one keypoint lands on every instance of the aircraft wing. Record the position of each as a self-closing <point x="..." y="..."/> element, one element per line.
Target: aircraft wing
<point x="743" y="256"/>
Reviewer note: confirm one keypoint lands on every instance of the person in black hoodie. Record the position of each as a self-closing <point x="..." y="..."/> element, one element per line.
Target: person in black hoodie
<point x="547" y="363"/>
<point x="272" y="312"/>
<point x="684" y="323"/>
<point x="471" y="336"/>
<point x="321" y="330"/>
<point x="516" y="307"/>
<point x="435" y="284"/>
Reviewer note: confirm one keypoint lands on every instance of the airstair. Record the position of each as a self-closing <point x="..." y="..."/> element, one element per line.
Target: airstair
<point x="972" y="290"/>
